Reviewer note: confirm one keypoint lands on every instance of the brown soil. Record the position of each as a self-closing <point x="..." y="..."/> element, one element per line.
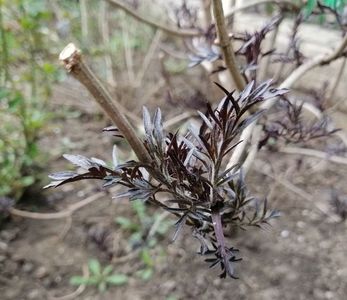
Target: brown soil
<point x="302" y="256"/>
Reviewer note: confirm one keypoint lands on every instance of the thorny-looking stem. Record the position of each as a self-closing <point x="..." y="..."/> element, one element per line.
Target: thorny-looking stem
<point x="72" y="59"/>
<point x="226" y="46"/>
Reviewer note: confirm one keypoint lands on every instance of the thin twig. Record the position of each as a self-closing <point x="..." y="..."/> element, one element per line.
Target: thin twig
<point x="178" y="119"/>
<point x="314" y="153"/>
<point x="280" y="3"/>
<point x="66" y="228"/>
<point x="149" y="56"/>
<point x="232" y="17"/>
<point x="172" y="31"/>
<point x="226" y="45"/>
<point x="253" y="149"/>
<point x="151" y="91"/>
<point x="172" y="52"/>
<point x="57" y="215"/>
<point x="128" y="53"/>
<point x="105" y="35"/>
<point x="78" y="291"/>
<point x="127" y="257"/>
<point x="207" y="16"/>
<point x="337" y="81"/>
<point x="300" y="192"/>
<point x="73" y="63"/>
<point x="193" y="33"/>
<point x="337" y="53"/>
<point x="288" y="83"/>
<point x="84" y="20"/>
<point x="264" y="67"/>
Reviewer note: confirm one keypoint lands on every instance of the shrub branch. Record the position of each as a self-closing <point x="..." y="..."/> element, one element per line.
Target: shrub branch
<point x="226" y="46"/>
<point x="72" y="60"/>
<point x="156" y="25"/>
<point x="288" y="83"/>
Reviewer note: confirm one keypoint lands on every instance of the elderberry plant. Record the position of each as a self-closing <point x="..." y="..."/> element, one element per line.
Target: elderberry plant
<point x="187" y="174"/>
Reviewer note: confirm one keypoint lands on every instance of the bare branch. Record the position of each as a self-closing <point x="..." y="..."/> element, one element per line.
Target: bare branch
<point x="56" y="215"/>
<point x="315" y="153"/>
<point x="172" y="31"/>
<point x="72" y="59"/>
<point x="280" y="3"/>
<point x="226" y="46"/>
<point x="337" y="81"/>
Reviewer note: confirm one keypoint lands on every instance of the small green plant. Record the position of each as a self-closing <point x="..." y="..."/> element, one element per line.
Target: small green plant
<point x="145" y="229"/>
<point x="26" y="75"/>
<point x="147" y="271"/>
<point x="101" y="278"/>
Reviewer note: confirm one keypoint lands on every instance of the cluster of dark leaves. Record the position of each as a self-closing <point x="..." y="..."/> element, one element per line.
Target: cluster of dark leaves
<point x="293" y="53"/>
<point x="290" y="126"/>
<point x="251" y="46"/>
<point x="339" y="203"/>
<point x="189" y="172"/>
<point x="185" y="15"/>
<point x="250" y="49"/>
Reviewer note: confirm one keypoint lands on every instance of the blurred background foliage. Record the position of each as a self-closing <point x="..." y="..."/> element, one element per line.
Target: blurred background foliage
<point x="32" y="34"/>
<point x="27" y="72"/>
